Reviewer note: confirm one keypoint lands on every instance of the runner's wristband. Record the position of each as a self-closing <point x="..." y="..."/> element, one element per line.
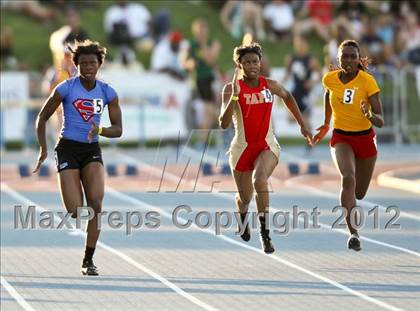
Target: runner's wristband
<point x="100" y="130"/>
<point x="235" y="97"/>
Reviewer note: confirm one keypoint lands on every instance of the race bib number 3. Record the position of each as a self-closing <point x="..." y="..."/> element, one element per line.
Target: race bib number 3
<point x="348" y="96"/>
<point x="98" y="105"/>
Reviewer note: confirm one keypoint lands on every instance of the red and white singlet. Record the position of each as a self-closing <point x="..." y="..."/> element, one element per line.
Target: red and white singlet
<point x="253" y="129"/>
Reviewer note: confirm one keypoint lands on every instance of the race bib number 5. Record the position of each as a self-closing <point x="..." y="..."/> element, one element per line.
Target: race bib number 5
<point x="98" y="105"/>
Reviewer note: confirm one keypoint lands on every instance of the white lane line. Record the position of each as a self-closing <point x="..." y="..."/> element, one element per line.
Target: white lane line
<point x="19" y="197"/>
<point x="344" y="232"/>
<point x="363" y="203"/>
<point x="158" y="172"/>
<point x="138" y="203"/>
<point x="13" y="292"/>
<point x="146" y="206"/>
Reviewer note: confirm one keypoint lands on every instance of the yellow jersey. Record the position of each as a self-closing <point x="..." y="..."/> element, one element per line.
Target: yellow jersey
<point x="345" y="99"/>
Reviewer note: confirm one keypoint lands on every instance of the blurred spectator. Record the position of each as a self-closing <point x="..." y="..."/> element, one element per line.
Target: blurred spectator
<point x="409" y="39"/>
<point x="200" y="59"/>
<point x="67" y="34"/>
<point x="126" y="23"/>
<point x="305" y="72"/>
<point x="337" y="34"/>
<point x="372" y="45"/>
<point x="63" y="66"/>
<point x="279" y="18"/>
<point x="166" y="56"/>
<point x="318" y="16"/>
<point x="160" y="25"/>
<point x="7" y="56"/>
<point x="240" y="17"/>
<point x="56" y="75"/>
<point x="31" y="8"/>
<point x="400" y="8"/>
<point x="386" y="30"/>
<point x="351" y="15"/>
<point x="409" y="44"/>
<point x="76" y="32"/>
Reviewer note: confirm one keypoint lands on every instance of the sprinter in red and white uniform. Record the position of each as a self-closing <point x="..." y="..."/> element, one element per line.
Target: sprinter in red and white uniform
<point x="254" y="151"/>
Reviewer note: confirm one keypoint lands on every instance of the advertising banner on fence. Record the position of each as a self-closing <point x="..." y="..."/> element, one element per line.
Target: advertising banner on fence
<point x="153" y="104"/>
<point x="14" y="98"/>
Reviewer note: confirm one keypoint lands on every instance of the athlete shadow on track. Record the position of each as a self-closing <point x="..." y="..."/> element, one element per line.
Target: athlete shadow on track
<point x="270" y="287"/>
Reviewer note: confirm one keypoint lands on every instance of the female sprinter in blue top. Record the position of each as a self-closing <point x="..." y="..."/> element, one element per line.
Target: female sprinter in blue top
<point x="77" y="153"/>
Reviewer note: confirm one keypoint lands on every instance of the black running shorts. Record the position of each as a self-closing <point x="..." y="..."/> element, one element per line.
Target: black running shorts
<point x="70" y="154"/>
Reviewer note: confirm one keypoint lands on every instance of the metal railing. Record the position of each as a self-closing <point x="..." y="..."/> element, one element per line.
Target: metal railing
<point x="401" y="105"/>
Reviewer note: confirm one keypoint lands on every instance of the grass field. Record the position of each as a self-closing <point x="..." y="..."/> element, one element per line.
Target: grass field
<point x="31" y="47"/>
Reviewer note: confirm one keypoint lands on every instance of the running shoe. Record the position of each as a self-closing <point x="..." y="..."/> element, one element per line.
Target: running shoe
<point x="354" y="243"/>
<point x="88" y="268"/>
<point x="265" y="235"/>
<point x="266" y="241"/>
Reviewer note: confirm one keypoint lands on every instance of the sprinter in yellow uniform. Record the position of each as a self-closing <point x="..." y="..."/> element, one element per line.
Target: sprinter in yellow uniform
<point x="352" y="99"/>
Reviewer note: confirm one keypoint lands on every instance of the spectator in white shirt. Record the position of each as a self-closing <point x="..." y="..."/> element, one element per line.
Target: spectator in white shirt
<point x="279" y="17"/>
<point x="166" y="55"/>
<point x="135" y="16"/>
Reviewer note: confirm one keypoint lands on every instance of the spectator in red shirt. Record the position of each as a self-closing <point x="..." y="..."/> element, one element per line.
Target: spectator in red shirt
<point x="317" y="17"/>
